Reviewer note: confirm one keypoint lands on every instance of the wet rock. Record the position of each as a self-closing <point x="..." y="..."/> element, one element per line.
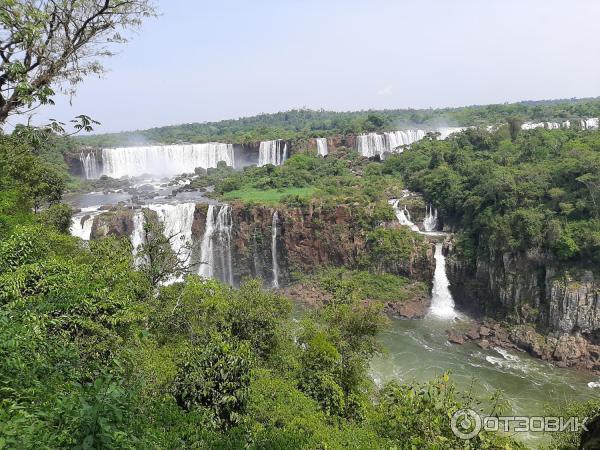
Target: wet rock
<point x="410" y="309"/>
<point x="455" y="337"/>
<point x="484" y="344"/>
<point x="473" y="332"/>
<point x="484" y="331"/>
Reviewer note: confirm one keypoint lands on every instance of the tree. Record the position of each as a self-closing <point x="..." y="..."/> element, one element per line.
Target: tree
<point x="44" y="43"/>
<point x="215" y="375"/>
<point x="155" y="256"/>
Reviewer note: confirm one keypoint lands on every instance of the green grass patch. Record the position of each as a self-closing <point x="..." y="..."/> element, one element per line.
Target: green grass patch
<point x="365" y="285"/>
<point x="269" y="196"/>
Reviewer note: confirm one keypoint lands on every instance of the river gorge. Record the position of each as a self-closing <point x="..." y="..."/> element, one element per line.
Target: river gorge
<point x="232" y="242"/>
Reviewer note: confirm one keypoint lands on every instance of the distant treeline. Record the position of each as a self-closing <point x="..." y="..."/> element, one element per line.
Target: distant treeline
<point x="321" y="123"/>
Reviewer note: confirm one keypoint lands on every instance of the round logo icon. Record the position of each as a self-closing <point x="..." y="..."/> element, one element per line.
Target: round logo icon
<point x="465" y="424"/>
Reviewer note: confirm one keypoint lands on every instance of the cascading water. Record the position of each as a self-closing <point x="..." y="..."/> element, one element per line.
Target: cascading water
<point x="90" y="165"/>
<point x="82" y="228"/>
<point x="374" y="144"/>
<point x="589" y="124"/>
<point x="163" y="160"/>
<point x="402" y="215"/>
<point x="137" y="235"/>
<point x="223" y="228"/>
<point x="370" y="145"/>
<point x="215" y="248"/>
<point x="442" y="303"/>
<point x="431" y="219"/>
<point x="206" y="246"/>
<point x="272" y="152"/>
<point x="395" y="139"/>
<point x="274" y="225"/>
<point x="584" y="124"/>
<point x="177" y="223"/>
<point x="322" y="147"/>
<point x="82" y="223"/>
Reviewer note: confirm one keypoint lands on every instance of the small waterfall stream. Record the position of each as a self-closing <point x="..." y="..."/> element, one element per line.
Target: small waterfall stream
<point x="322" y="149"/>
<point x="274" y="226"/>
<point x="402" y="215"/>
<point x="431" y="219"/>
<point x="215" y="248"/>
<point x="177" y="221"/>
<point x="442" y="303"/>
<point x="272" y="152"/>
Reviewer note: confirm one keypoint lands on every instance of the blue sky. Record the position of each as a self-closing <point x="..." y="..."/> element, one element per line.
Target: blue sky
<point x="212" y="60"/>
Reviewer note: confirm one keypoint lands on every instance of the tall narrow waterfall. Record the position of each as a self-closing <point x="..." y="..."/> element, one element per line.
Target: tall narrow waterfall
<point x="162" y="160"/>
<point x="272" y="152"/>
<point x="402" y="215"/>
<point x="274" y="225"/>
<point x="322" y="147"/>
<point x="90" y="165"/>
<point x="206" y="246"/>
<point x="223" y="227"/>
<point x="442" y="303"/>
<point x="215" y="248"/>
<point x="177" y="221"/>
<point x="431" y="219"/>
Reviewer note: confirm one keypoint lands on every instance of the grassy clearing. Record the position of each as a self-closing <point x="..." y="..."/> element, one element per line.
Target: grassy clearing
<point x="268" y="196"/>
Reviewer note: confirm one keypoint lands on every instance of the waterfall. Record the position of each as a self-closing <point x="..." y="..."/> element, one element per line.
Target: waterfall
<point x="584" y="124"/>
<point x="223" y="228"/>
<point x="431" y="219"/>
<point x="177" y="222"/>
<point x="442" y="304"/>
<point x="90" y="165"/>
<point x="589" y="124"/>
<point x="272" y="152"/>
<point x="137" y="235"/>
<point x="370" y="145"/>
<point x="206" y="246"/>
<point x="82" y="222"/>
<point x="396" y="139"/>
<point x="322" y="147"/>
<point x="274" y="225"/>
<point x="81" y="226"/>
<point x="215" y="248"/>
<point x="402" y="215"/>
<point x="374" y="144"/>
<point x="162" y="160"/>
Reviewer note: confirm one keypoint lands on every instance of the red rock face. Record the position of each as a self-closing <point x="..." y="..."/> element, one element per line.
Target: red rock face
<point x="307" y="238"/>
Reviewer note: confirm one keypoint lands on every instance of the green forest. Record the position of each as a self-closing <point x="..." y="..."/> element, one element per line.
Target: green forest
<point x="304" y="123"/>
<point x="108" y="346"/>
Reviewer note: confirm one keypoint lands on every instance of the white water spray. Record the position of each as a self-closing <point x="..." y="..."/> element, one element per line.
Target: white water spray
<point x="272" y="152"/>
<point x="322" y="147"/>
<point x="402" y="215"/>
<point x="160" y="160"/>
<point x="274" y="225"/>
<point x="442" y="303"/>
<point x="217" y="230"/>
<point x="431" y="219"/>
<point x="90" y="165"/>
<point x="177" y="223"/>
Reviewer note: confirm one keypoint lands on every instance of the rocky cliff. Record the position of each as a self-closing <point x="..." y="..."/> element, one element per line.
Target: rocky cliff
<point x="307" y="238"/>
<point x="531" y="289"/>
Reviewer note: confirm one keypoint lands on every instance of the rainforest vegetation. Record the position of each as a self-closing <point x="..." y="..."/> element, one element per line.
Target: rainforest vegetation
<point x="303" y="123"/>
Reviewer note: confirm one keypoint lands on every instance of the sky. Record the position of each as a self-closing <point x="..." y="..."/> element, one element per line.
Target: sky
<point x="212" y="60"/>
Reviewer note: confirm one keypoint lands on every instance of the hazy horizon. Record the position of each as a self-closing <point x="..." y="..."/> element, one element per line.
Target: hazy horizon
<point x="205" y="62"/>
